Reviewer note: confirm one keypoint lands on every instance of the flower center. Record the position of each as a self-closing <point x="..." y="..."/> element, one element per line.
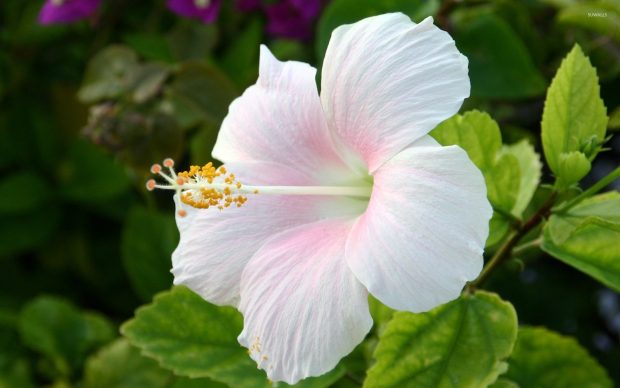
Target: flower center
<point x="207" y="186"/>
<point x="202" y="3"/>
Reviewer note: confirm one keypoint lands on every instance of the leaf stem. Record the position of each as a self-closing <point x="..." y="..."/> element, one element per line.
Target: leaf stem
<point x="521" y="249"/>
<point x="505" y="251"/>
<point x="595" y="188"/>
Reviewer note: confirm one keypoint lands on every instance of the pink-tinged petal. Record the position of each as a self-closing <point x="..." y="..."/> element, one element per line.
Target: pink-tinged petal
<point x="280" y="119"/>
<point x="68" y="11"/>
<point x="216" y="245"/>
<point x="388" y="81"/>
<point x="422" y="237"/>
<point x="303" y="309"/>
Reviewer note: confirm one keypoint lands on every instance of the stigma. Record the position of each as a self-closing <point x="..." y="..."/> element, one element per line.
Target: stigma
<point x="200" y="187"/>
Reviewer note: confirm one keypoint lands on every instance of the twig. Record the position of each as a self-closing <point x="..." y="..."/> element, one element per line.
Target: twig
<point x="505" y="251"/>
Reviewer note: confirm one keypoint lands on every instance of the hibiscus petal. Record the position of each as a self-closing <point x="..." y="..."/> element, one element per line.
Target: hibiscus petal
<point x="388" y="81"/>
<point x="216" y="245"/>
<point x="423" y="234"/>
<point x="280" y="119"/>
<point x="303" y="308"/>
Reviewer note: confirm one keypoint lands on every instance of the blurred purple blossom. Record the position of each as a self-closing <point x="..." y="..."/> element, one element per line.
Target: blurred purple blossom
<point x="292" y="19"/>
<point x="67" y="11"/>
<point x="203" y="10"/>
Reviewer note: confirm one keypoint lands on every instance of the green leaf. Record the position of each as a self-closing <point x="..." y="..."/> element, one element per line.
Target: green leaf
<point x="339" y="12"/>
<point x="542" y="358"/>
<point x="56" y="329"/>
<point x="499" y="64"/>
<point x="147" y="244"/>
<point x="601" y="17"/>
<point x="199" y="92"/>
<point x="240" y="59"/>
<point x="586" y="237"/>
<point x="26" y="231"/>
<point x="478" y="134"/>
<point x="530" y="170"/>
<point x="119" y="365"/>
<point x="194" y="338"/>
<point x="614" y="119"/>
<point x="436" y="348"/>
<point x="148" y="80"/>
<point x="90" y="176"/>
<point x="108" y="74"/>
<point x="573" y="166"/>
<point x="150" y="46"/>
<point x="574" y="115"/>
<point x="192" y="41"/>
<point x="23" y="191"/>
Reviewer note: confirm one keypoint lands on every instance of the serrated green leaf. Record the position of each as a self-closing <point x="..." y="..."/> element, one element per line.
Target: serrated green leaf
<point x="478" y="134"/>
<point x="587" y="237"/>
<point x="542" y="358"/>
<point x="339" y="12"/>
<point x="500" y="65"/>
<point x="119" y="365"/>
<point x="56" y="329"/>
<point x="194" y="338"/>
<point x="108" y="74"/>
<point x="147" y="244"/>
<point x="574" y="113"/>
<point x="435" y="349"/>
<point x="23" y="191"/>
<point x="530" y="170"/>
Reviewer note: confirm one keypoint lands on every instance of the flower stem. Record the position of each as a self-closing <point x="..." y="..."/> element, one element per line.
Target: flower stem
<point x="505" y="251"/>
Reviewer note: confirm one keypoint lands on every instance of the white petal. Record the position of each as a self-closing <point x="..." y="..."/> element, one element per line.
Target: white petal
<point x="423" y="234"/>
<point x="280" y="119"/>
<point x="303" y="308"/>
<point x="388" y="81"/>
<point x="216" y="245"/>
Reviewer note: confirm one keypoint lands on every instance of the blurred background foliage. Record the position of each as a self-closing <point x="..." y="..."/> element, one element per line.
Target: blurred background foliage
<point x="86" y="108"/>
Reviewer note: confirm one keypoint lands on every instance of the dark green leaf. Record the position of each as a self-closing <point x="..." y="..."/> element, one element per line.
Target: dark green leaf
<point x="542" y="358"/>
<point x="23" y="191"/>
<point x="90" y="176"/>
<point x="602" y="17"/>
<point x="194" y="338"/>
<point x="56" y="329"/>
<point x="148" y="241"/>
<point x="119" y="365"/>
<point x="436" y="348"/>
<point x="499" y="64"/>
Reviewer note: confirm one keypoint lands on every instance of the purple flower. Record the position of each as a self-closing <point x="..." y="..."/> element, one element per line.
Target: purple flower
<point x="67" y="11"/>
<point x="203" y="10"/>
<point x="248" y="5"/>
<point x="292" y="18"/>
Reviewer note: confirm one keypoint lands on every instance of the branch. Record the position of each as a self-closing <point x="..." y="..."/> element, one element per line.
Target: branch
<point x="505" y="251"/>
